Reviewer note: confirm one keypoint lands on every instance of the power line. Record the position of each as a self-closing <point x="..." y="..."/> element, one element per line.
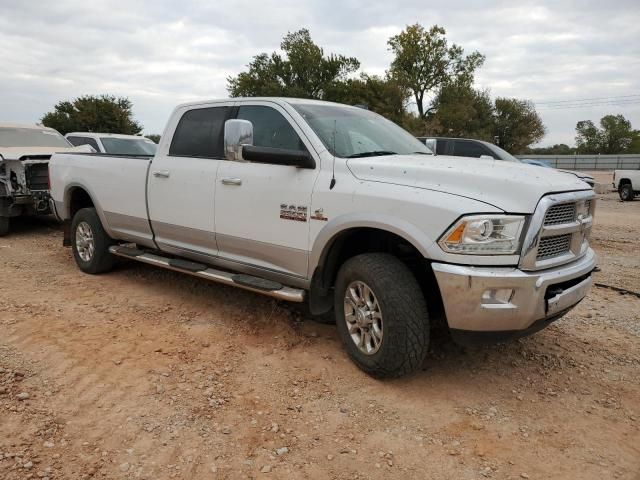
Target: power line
<point x="577" y="100"/>
<point x="590" y="105"/>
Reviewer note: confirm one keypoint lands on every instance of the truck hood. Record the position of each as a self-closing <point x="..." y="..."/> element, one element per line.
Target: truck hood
<point x="16" y="153"/>
<point x="512" y="187"/>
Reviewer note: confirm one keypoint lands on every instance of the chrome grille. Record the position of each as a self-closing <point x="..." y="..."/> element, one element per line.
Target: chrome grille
<point x="561" y="213"/>
<point x="555" y="246"/>
<point x="558" y="230"/>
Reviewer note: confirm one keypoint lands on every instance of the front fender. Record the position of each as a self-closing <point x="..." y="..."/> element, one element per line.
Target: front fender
<point x="379" y="221"/>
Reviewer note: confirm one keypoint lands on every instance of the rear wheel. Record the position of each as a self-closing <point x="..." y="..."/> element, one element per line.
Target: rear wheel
<point x="4" y="226"/>
<point x="90" y="243"/>
<point x="626" y="192"/>
<point x="381" y="315"/>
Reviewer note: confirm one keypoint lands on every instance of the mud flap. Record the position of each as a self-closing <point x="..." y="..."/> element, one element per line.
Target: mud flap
<point x="66" y="232"/>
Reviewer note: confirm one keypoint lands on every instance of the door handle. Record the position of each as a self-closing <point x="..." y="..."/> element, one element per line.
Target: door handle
<point x="232" y="181"/>
<point x="161" y="173"/>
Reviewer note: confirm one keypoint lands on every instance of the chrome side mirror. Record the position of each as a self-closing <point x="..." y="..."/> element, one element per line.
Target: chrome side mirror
<point x="431" y="144"/>
<point x="236" y="134"/>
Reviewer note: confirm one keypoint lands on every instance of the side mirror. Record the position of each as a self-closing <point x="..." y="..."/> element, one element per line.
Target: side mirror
<point x="431" y="144"/>
<point x="278" y="156"/>
<point x="237" y="133"/>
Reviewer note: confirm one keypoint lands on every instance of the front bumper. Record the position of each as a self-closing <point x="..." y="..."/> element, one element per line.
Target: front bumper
<point x="536" y="297"/>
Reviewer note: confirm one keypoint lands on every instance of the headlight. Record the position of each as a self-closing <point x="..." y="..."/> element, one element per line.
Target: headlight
<point x="484" y="235"/>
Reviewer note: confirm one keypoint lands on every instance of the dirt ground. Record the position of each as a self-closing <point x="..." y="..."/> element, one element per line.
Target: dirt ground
<point x="148" y="374"/>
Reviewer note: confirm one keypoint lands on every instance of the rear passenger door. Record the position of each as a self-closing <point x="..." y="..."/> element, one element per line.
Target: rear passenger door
<point x="182" y="183"/>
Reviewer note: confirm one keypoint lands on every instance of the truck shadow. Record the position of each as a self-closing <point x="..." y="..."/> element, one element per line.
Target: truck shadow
<point x="34" y="225"/>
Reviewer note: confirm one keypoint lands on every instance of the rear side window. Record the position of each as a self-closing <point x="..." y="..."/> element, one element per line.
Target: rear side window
<point x="200" y="133"/>
<point x="77" y="141"/>
<point x="270" y="128"/>
<point x="441" y="147"/>
<point x="463" y="148"/>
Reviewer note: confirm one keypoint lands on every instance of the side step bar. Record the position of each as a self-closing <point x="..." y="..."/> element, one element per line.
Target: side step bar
<point x="246" y="282"/>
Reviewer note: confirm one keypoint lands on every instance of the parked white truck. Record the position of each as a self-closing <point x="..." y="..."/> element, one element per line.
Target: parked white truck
<point x="313" y="201"/>
<point x="627" y="183"/>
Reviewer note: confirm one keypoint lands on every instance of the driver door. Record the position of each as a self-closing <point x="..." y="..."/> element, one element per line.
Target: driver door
<point x="262" y="210"/>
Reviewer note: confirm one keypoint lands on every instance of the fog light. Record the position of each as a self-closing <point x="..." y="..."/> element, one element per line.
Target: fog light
<point x="497" y="296"/>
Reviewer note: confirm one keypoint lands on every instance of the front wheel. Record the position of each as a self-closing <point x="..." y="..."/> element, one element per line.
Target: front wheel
<point x="4" y="226"/>
<point x="90" y="243"/>
<point x="382" y="315"/>
<point x="626" y="192"/>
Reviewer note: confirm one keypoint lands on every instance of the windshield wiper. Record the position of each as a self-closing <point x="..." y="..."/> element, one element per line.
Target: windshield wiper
<point x="373" y="153"/>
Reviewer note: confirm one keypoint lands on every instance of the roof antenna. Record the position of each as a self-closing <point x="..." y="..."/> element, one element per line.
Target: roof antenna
<point x="333" y="173"/>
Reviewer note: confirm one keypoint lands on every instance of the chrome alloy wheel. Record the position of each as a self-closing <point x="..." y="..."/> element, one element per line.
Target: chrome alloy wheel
<point x="85" y="244"/>
<point x="364" y="317"/>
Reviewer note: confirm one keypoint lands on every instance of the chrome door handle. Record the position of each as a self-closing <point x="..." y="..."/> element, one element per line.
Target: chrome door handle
<point x="161" y="173"/>
<point x="232" y="181"/>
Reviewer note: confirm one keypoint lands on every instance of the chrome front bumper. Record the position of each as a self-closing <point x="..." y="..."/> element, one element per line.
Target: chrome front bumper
<point x="535" y="296"/>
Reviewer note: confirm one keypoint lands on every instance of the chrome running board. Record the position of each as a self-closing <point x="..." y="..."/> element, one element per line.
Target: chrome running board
<point x="246" y="282"/>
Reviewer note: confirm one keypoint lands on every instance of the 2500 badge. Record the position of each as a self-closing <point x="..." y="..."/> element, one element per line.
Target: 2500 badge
<point x="297" y="213"/>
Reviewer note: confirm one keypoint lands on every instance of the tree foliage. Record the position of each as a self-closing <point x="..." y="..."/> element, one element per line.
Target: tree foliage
<point x="304" y="71"/>
<point x="516" y="124"/>
<point x="384" y="96"/>
<point x="424" y="62"/>
<point x="557" y="149"/>
<point x="614" y="136"/>
<point x="104" y="113"/>
<point x="461" y="111"/>
<point x="155" y="137"/>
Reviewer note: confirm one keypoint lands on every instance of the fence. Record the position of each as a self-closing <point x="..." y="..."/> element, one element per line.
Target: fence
<point x="589" y="162"/>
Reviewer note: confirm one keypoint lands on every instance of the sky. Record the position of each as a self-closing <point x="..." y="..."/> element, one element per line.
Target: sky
<point x="161" y="53"/>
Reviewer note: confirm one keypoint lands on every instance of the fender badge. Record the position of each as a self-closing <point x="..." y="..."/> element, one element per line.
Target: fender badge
<point x="319" y="215"/>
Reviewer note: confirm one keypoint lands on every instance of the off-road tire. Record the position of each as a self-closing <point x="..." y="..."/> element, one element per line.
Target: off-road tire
<point x="405" y="318"/>
<point x="4" y="226"/>
<point x="626" y="192"/>
<point x="101" y="261"/>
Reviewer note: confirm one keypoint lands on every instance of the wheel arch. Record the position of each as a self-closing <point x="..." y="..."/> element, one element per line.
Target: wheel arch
<point x="624" y="181"/>
<point x="78" y="196"/>
<point x="349" y="237"/>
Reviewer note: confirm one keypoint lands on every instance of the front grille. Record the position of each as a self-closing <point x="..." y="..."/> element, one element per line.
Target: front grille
<point x="559" y="230"/>
<point x="555" y="246"/>
<point x="561" y="213"/>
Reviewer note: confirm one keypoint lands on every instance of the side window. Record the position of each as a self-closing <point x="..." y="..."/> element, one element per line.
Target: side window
<point x="463" y="148"/>
<point x="77" y="141"/>
<point x="441" y="147"/>
<point x="270" y="128"/>
<point x="200" y="133"/>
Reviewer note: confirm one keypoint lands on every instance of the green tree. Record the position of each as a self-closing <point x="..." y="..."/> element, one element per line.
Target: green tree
<point x="424" y="62"/>
<point x="384" y="96"/>
<point x="461" y="111"/>
<point x="614" y="136"/>
<point x="516" y="124"/>
<point x="557" y="149"/>
<point x="104" y="113"/>
<point x="155" y="138"/>
<point x="304" y="71"/>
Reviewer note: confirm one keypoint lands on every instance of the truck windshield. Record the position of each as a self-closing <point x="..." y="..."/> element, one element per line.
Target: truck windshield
<point x="354" y="132"/>
<point x="128" y="146"/>
<point x="31" y="137"/>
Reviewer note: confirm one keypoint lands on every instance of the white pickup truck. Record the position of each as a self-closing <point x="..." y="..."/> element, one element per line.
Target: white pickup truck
<point x="627" y="183"/>
<point x="24" y="176"/>
<point x="313" y="201"/>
